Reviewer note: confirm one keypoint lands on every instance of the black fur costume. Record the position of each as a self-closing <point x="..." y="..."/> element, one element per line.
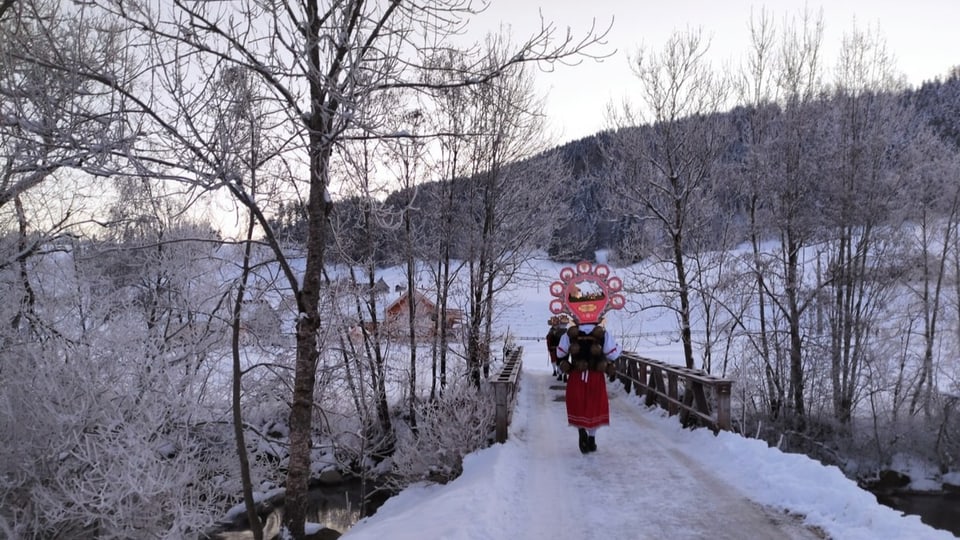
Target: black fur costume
<point x="586" y="351"/>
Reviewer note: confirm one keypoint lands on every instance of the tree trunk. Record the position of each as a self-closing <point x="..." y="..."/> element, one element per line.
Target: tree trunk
<point x="256" y="526"/>
<point x="796" y="339"/>
<point x="411" y="320"/>
<point x="683" y="289"/>
<point x="308" y="352"/>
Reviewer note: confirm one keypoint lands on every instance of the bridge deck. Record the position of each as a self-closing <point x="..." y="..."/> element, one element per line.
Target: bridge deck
<point x="673" y="496"/>
<point x="665" y="494"/>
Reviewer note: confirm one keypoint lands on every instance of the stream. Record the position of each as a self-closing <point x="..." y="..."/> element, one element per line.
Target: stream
<point x="336" y="507"/>
<point x="940" y="510"/>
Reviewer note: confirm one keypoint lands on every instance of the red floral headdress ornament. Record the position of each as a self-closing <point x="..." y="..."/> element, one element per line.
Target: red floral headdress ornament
<point x="587" y="292"/>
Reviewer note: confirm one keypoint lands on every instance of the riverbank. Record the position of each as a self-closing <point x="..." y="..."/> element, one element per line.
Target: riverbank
<point x="334" y="507"/>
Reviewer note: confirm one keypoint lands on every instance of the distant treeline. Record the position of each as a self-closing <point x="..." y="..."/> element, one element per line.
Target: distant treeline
<point x="586" y="219"/>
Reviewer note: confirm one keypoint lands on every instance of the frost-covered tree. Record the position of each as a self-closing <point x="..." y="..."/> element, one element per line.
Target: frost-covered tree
<point x="96" y="443"/>
<point x="758" y="126"/>
<point x="666" y="170"/>
<point x="321" y="63"/>
<point x="507" y="195"/>
<point x="57" y="128"/>
<point x="861" y="207"/>
<point x="793" y="193"/>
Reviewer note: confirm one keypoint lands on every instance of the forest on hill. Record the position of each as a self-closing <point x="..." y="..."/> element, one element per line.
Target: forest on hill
<point x="587" y="211"/>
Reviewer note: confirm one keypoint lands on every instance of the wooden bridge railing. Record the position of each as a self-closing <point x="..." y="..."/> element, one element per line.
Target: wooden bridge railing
<point x="505" y="387"/>
<point x="678" y="390"/>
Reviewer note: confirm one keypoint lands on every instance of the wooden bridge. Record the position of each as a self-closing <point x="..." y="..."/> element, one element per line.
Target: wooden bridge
<point x="697" y="397"/>
<point x="639" y="484"/>
<point x="647" y="479"/>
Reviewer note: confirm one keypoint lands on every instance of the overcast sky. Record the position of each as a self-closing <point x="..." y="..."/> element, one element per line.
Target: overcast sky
<point x="920" y="34"/>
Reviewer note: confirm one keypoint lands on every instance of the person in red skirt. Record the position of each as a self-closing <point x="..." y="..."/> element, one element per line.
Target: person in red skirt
<point x="586" y="352"/>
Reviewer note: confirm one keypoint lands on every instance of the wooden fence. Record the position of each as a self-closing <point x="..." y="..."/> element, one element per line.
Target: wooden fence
<point x="697" y="396"/>
<point x="693" y="393"/>
<point x="505" y="387"/>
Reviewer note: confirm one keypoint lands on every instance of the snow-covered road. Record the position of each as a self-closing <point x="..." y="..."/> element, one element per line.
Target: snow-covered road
<point x="637" y="484"/>
<point x="539" y="486"/>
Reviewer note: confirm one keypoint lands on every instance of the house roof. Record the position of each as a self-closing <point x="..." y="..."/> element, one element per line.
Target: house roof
<point x="421" y="300"/>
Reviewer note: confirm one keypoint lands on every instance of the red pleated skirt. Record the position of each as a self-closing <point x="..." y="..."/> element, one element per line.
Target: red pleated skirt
<point x="587" y="403"/>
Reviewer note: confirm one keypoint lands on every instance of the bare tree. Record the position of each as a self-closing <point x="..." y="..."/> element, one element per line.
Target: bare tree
<point x="793" y="193"/>
<point x="360" y="242"/>
<point x="504" y="192"/>
<point x="409" y="158"/>
<point x="871" y="124"/>
<point x="452" y="119"/>
<point x="54" y="125"/>
<point x="240" y="145"/>
<point x="667" y="167"/>
<point x="322" y="64"/>
<point x="758" y="92"/>
<point x="937" y="204"/>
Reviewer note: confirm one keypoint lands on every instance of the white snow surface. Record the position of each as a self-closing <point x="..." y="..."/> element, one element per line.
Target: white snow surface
<point x="650" y="478"/>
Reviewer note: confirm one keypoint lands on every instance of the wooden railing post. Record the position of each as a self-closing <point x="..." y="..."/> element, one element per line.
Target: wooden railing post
<point x="723" y="404"/>
<point x="505" y="391"/>
<point x="672" y="393"/>
<point x="500" y="394"/>
<point x="628" y="372"/>
<point x="641" y="376"/>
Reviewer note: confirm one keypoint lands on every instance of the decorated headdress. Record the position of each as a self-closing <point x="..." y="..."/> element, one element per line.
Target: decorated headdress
<point x="586" y="293"/>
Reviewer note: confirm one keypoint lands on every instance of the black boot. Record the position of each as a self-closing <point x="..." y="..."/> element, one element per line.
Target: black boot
<point x="584" y="441"/>
<point x="591" y="444"/>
